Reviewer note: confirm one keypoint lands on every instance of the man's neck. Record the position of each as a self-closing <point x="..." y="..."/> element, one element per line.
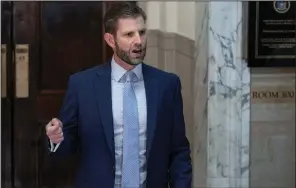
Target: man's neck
<point x="123" y="64"/>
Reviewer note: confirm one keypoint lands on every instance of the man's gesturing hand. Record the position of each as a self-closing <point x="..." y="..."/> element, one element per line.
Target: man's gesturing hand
<point x="54" y="131"/>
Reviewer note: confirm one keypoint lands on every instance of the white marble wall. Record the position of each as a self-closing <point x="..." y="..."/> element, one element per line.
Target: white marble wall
<point x="223" y="113"/>
<point x="228" y="98"/>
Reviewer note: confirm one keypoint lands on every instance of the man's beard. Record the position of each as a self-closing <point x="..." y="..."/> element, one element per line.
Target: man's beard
<point x="126" y="55"/>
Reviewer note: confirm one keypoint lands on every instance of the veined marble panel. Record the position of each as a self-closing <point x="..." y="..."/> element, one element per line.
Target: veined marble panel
<point x="228" y="98"/>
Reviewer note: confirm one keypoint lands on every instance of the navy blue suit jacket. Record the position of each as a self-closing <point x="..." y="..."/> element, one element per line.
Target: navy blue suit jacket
<point x="87" y="120"/>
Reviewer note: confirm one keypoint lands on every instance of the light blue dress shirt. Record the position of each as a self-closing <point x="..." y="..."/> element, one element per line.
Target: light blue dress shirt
<point x="117" y="108"/>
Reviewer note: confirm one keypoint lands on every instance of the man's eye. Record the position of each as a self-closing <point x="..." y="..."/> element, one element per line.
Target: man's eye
<point x="142" y="32"/>
<point x="129" y="34"/>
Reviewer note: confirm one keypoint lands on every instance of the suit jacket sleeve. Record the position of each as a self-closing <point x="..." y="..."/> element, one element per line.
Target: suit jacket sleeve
<point x="69" y="118"/>
<point x="180" y="171"/>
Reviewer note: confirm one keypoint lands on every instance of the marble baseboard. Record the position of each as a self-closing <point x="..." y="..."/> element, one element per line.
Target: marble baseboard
<point x="225" y="182"/>
<point x="273" y="157"/>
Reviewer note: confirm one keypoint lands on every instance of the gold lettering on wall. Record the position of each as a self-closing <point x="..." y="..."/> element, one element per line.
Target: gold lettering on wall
<point x="22" y="70"/>
<point x="273" y="95"/>
<point x="3" y="71"/>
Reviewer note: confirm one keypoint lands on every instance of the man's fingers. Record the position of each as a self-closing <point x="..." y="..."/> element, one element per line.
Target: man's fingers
<point x="56" y="140"/>
<point x="54" y="127"/>
<point x="58" y="130"/>
<point x="56" y="136"/>
<point x="55" y="122"/>
<point x="54" y="131"/>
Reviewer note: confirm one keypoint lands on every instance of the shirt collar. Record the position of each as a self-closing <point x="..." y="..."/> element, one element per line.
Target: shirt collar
<point x="118" y="71"/>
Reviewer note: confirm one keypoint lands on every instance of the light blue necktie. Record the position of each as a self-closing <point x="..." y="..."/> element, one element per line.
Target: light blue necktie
<point x="130" y="167"/>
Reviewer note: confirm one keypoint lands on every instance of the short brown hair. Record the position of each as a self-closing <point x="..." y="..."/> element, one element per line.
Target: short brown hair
<point x="121" y="9"/>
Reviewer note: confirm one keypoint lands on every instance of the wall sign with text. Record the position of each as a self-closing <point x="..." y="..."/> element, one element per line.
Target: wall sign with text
<point x="273" y="95"/>
<point x="272" y="34"/>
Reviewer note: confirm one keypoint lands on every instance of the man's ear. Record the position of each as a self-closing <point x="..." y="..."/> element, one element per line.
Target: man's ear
<point x="109" y="38"/>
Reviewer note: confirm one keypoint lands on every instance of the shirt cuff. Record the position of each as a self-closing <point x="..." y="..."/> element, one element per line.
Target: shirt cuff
<point x="54" y="147"/>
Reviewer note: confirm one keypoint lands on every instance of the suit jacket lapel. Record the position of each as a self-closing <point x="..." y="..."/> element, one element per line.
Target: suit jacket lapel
<point x="151" y="87"/>
<point x="102" y="86"/>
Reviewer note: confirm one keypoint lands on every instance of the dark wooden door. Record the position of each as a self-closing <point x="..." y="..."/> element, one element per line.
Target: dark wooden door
<point x="6" y="94"/>
<point x="48" y="41"/>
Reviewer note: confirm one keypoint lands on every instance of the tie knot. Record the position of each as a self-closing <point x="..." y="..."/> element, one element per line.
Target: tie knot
<point x="130" y="76"/>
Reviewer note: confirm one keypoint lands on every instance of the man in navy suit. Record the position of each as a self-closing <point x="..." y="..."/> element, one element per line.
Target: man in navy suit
<point x="124" y="117"/>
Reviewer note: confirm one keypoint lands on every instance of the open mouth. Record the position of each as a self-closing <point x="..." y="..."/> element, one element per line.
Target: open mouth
<point x="138" y="51"/>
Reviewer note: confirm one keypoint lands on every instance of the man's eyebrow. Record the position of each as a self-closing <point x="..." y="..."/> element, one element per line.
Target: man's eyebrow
<point x="132" y="31"/>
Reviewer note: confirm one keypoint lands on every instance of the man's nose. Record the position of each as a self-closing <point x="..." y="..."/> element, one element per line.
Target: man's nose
<point x="137" y="39"/>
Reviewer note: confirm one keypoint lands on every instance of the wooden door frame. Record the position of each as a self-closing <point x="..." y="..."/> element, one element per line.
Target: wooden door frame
<point x="7" y="103"/>
<point x="7" y="132"/>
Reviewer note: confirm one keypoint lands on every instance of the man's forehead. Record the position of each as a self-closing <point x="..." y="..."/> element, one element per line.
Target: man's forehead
<point x="130" y="24"/>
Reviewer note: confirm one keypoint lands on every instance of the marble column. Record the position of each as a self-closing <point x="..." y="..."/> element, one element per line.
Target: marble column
<point x="223" y="113"/>
<point x="199" y="151"/>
